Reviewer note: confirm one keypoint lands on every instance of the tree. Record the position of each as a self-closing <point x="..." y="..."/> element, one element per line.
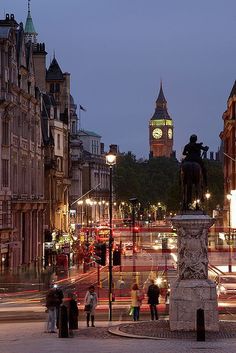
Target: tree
<point x="215" y="176"/>
<point x="150" y="181"/>
<point x="158" y="181"/>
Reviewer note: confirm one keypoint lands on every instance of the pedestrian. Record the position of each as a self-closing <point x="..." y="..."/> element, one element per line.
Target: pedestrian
<point x="73" y="313"/>
<point x="90" y="302"/>
<point x="136" y="301"/>
<point x="59" y="295"/>
<point x="51" y="304"/>
<point x="153" y="299"/>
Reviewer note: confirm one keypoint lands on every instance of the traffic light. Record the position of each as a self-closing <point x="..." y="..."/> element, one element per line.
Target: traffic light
<point x="100" y="252"/>
<point x="117" y="257"/>
<point x="165" y="248"/>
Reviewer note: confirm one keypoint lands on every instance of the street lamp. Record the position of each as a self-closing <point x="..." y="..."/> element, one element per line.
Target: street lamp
<point x="229" y="196"/>
<point x="111" y="161"/>
<point x="133" y="202"/>
<point x="207" y="195"/>
<point x="80" y="203"/>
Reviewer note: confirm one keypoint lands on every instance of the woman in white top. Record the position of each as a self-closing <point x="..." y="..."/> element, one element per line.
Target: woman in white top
<point x="90" y="302"/>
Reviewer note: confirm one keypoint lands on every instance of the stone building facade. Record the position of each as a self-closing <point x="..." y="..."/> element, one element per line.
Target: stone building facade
<point x="228" y="136"/>
<point x="57" y="178"/>
<point x="46" y="162"/>
<point x="22" y="157"/>
<point x="54" y="93"/>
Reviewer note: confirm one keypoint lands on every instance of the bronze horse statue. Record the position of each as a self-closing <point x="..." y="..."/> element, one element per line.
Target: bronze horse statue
<point x="192" y="184"/>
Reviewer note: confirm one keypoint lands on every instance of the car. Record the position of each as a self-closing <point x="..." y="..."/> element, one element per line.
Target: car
<point x="226" y="285"/>
<point x="128" y="250"/>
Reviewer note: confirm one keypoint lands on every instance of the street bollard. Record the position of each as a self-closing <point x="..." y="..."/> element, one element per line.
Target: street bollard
<point x="63" y="322"/>
<point x="200" y="325"/>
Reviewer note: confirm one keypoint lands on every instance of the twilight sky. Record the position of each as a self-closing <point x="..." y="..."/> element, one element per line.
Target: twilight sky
<point x="118" y="50"/>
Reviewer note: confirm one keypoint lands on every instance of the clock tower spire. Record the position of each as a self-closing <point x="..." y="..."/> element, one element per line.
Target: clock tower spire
<point x="161" y="129"/>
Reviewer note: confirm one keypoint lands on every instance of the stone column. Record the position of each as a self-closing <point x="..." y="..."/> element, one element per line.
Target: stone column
<point x="192" y="289"/>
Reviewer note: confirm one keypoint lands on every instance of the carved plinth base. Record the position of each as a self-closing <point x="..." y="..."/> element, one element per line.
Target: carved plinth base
<point x="186" y="297"/>
<point x="193" y="290"/>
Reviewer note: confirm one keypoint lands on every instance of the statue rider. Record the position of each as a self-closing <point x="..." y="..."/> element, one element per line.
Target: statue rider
<point x="192" y="151"/>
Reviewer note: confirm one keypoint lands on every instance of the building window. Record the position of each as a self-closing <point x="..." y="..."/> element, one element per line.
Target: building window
<point x="29" y="86"/>
<point x="33" y="178"/>
<point x="4" y="213"/>
<point x="5" y="132"/>
<point x="39" y="190"/>
<point x="73" y="127"/>
<point x="25" y="126"/>
<point x="51" y="87"/>
<point x="15" y="179"/>
<point x="58" y="141"/>
<point x="5" y="164"/>
<point x="59" y="164"/>
<point x="94" y="147"/>
<point x="16" y="124"/>
<point x="57" y="88"/>
<point x="24" y="180"/>
<point x="32" y="133"/>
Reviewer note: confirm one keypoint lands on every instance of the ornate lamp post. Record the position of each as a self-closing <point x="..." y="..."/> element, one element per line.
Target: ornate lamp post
<point x="229" y="196"/>
<point x="111" y="161"/>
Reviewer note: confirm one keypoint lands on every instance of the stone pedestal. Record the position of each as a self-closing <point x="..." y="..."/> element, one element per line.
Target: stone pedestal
<point x="193" y="290"/>
<point x="187" y="296"/>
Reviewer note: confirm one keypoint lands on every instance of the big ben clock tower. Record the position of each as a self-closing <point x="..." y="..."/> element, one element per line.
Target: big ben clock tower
<point x="161" y="129"/>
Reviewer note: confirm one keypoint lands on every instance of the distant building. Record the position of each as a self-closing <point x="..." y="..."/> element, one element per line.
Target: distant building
<point x="95" y="177"/>
<point x="76" y="157"/>
<point x="161" y="129"/>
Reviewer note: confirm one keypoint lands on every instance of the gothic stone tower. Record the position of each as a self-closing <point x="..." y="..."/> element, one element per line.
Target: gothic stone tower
<point x="161" y="129"/>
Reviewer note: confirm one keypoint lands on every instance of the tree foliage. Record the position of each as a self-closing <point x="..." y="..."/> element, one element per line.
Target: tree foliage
<point x="158" y="180"/>
<point x="215" y="183"/>
<point x="150" y="181"/>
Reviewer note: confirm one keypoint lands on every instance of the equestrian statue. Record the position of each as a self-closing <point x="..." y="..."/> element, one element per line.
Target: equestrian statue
<point x="193" y="174"/>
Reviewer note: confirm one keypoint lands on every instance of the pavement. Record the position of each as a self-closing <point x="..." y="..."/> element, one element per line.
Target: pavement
<point x="115" y="337"/>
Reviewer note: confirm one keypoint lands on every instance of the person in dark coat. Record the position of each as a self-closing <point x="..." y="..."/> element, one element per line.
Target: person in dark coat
<point x="73" y="313"/>
<point x="153" y="299"/>
<point x="51" y="304"/>
<point x="59" y="295"/>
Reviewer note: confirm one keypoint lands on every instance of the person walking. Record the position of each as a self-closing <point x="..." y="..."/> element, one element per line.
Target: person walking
<point x="73" y="313"/>
<point x="51" y="304"/>
<point x="153" y="299"/>
<point x="136" y="301"/>
<point x="90" y="302"/>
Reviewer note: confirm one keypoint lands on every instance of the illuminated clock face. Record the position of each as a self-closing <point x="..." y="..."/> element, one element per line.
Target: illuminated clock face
<point x="157" y="133"/>
<point x="170" y="133"/>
